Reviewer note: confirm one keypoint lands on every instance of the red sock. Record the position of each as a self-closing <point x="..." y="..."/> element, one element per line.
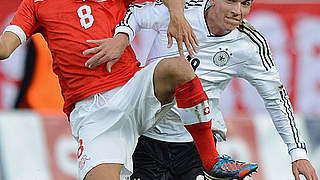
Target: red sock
<point x="188" y="95"/>
<point x="203" y="138"/>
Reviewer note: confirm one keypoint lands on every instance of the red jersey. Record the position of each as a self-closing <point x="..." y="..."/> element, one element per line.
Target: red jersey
<point x="66" y="25"/>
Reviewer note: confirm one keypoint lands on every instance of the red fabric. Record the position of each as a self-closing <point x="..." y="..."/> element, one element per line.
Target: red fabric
<point x="205" y="143"/>
<point x="59" y="22"/>
<point x="190" y="94"/>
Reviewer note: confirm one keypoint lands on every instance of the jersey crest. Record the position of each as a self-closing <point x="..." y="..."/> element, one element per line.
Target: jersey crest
<point x="222" y="57"/>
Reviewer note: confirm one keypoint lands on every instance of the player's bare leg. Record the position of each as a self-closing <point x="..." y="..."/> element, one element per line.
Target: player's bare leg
<point x="169" y="74"/>
<point x="104" y="172"/>
<point x="175" y="76"/>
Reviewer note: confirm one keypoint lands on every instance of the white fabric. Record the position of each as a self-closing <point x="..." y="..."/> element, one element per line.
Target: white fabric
<point x="110" y="123"/>
<point x="18" y="31"/>
<point x="243" y="53"/>
<point x="297" y="154"/>
<point x="196" y="114"/>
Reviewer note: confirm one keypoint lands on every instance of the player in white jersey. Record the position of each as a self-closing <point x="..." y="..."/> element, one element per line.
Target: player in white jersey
<point x="230" y="47"/>
<point x="107" y="109"/>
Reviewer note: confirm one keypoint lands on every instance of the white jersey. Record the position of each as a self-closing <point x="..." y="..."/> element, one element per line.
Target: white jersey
<point x="242" y="53"/>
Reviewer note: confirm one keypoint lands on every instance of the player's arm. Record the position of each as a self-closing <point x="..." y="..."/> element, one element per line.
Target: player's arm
<point x="139" y="16"/>
<point x="8" y="43"/>
<point x="179" y="28"/>
<point x="22" y="26"/>
<point x="108" y="50"/>
<point x="277" y="102"/>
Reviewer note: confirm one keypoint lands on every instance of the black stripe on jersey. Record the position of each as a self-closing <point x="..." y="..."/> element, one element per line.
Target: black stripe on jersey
<point x="265" y="47"/>
<point x="299" y="145"/>
<point x="141" y="5"/>
<point x="287" y="105"/>
<point x="304" y="146"/>
<point x="261" y="55"/>
<point x="128" y="27"/>
<point x="158" y="2"/>
<point x="204" y="15"/>
<point x="125" y="21"/>
<point x="135" y="5"/>
<point x="193" y="3"/>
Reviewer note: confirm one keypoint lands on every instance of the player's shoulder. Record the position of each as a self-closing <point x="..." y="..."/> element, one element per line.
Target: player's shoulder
<point x="194" y="3"/>
<point x="254" y="37"/>
<point x="248" y="30"/>
<point x="245" y="25"/>
<point x="148" y="6"/>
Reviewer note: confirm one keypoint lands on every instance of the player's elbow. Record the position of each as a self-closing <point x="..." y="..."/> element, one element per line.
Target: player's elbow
<point x="8" y="43"/>
<point x="4" y="52"/>
<point x="4" y="55"/>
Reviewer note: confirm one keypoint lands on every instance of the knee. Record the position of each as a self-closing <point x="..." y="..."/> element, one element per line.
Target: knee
<point x="178" y="69"/>
<point x="108" y="171"/>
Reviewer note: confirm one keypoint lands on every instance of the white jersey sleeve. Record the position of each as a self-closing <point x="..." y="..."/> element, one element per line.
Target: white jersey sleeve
<point x="264" y="76"/>
<point x="148" y="15"/>
<point x="244" y="53"/>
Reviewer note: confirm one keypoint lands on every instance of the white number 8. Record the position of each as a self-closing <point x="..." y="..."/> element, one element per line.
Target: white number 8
<point x="86" y="19"/>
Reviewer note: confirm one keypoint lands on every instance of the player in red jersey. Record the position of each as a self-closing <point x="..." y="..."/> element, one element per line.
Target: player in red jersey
<point x="107" y="109"/>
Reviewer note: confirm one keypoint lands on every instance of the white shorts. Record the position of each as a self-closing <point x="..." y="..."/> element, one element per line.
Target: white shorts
<point x="107" y="125"/>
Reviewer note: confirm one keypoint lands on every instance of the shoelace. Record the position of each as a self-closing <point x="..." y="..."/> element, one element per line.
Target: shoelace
<point x="230" y="164"/>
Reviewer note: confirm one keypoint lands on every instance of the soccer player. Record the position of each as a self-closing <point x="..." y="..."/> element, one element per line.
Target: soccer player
<point x="230" y="47"/>
<point x="109" y="108"/>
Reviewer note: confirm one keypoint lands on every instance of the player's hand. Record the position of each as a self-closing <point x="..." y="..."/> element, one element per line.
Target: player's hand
<point x="180" y="29"/>
<point x="304" y="167"/>
<point x="108" y="51"/>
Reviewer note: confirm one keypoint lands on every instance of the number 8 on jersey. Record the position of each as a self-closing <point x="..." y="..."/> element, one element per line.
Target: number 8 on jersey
<point x="86" y="19"/>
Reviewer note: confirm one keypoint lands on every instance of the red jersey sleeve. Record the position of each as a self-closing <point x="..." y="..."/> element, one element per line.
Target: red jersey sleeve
<point x="25" y="20"/>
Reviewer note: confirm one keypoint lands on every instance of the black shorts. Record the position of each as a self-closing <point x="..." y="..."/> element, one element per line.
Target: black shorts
<point x="159" y="160"/>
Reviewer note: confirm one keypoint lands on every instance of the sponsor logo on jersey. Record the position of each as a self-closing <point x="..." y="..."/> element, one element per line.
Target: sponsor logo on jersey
<point x="82" y="162"/>
<point x="80" y="149"/>
<point x="221" y="58"/>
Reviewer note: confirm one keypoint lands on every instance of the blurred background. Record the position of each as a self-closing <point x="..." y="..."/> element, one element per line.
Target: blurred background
<point x="36" y="141"/>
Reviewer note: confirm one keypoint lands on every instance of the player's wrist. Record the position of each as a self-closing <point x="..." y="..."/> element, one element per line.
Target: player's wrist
<point x="123" y="38"/>
<point x="125" y="30"/>
<point x="297" y="154"/>
<point x="176" y="13"/>
<point x="175" y="7"/>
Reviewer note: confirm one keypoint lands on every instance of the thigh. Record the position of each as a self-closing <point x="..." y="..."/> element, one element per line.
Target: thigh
<point x="169" y="74"/>
<point x="105" y="172"/>
<point x="112" y="147"/>
<point x="137" y="99"/>
<point x="150" y="160"/>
